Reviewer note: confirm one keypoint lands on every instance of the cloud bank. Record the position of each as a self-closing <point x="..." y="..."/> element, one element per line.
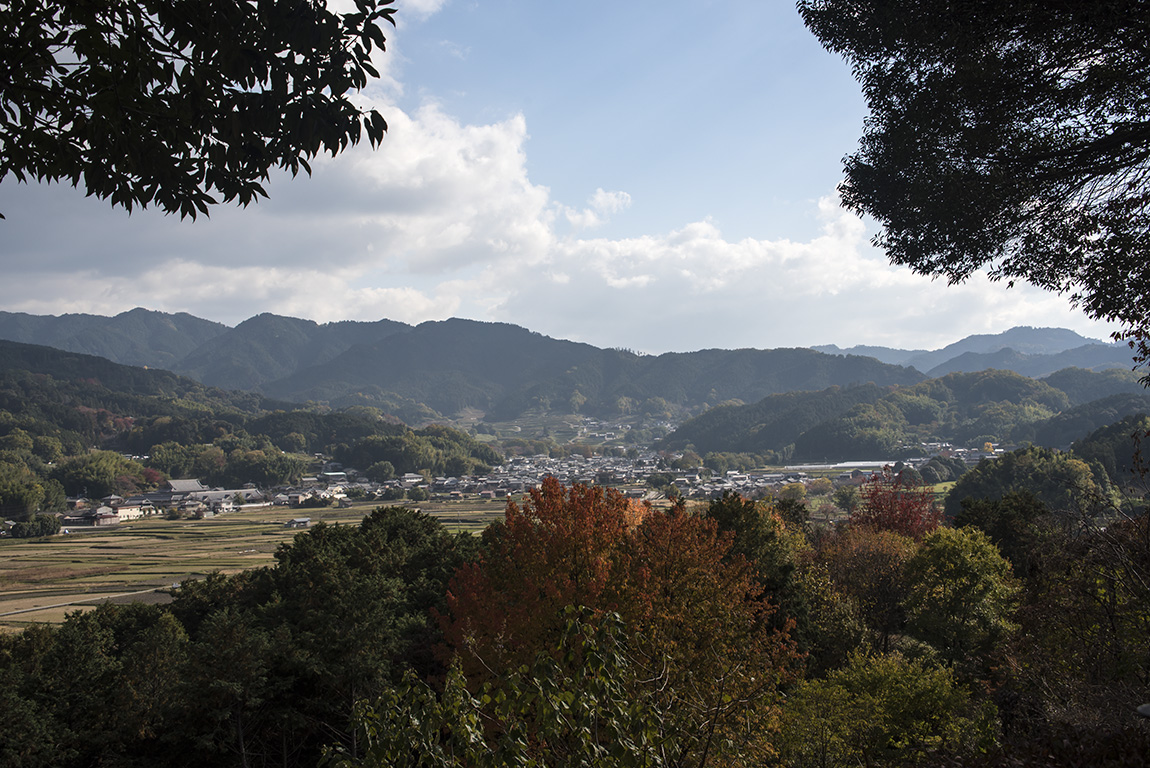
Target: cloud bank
<point x="443" y="220"/>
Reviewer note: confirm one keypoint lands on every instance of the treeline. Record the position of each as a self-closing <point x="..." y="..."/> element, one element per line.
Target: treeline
<point x="770" y="425"/>
<point x="1104" y="470"/>
<point x="966" y="409"/>
<point x="614" y="383"/>
<point x="225" y="455"/>
<point x="590" y="629"/>
<point x="437" y="449"/>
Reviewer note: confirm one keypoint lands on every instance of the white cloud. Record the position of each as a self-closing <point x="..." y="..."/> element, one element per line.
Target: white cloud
<point x="610" y="202"/>
<point x="692" y="289"/>
<point x="602" y="205"/>
<point x="421" y="8"/>
<point x="436" y="198"/>
<point x="443" y="220"/>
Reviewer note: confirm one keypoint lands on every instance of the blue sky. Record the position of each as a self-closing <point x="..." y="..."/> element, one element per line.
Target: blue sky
<point x="651" y="175"/>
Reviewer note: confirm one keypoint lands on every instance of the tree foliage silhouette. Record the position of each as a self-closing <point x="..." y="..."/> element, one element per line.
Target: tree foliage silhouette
<point x="1007" y="136"/>
<point x="182" y="104"/>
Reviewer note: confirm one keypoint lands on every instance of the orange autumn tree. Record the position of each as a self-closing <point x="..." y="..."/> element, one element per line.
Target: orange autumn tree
<point x="703" y="634"/>
<point x="559" y="549"/>
<point x="698" y="628"/>
<point x="890" y="503"/>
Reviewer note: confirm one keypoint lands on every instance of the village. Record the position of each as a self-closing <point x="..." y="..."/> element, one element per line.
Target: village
<point x="648" y="476"/>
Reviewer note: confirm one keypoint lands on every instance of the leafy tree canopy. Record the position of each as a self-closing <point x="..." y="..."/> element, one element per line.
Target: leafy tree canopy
<point x="881" y="710"/>
<point x="602" y="714"/>
<point x="701" y="633"/>
<point x="1118" y="449"/>
<point x="180" y="104"/>
<point x="1060" y="480"/>
<point x="1010" y="522"/>
<point x="1008" y="136"/>
<point x="868" y="565"/>
<point x="961" y="594"/>
<point x="101" y="473"/>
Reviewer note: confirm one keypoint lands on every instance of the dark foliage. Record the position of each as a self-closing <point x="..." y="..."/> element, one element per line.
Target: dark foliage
<point x="261" y="668"/>
<point x="268" y="347"/>
<point x="505" y="370"/>
<point x="1122" y="449"/>
<point x="181" y="105"/>
<point x="39" y="525"/>
<point x="1061" y="481"/>
<point x="771" y="424"/>
<point x="1007" y="136"/>
<point x="136" y="337"/>
<point x="1075" y="424"/>
<point x="1010" y="521"/>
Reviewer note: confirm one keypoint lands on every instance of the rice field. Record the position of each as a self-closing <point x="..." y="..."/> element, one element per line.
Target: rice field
<point x="42" y="580"/>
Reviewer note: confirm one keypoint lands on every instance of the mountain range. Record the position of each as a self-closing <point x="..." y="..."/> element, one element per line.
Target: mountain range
<point x="444" y="367"/>
<point x="1022" y="349"/>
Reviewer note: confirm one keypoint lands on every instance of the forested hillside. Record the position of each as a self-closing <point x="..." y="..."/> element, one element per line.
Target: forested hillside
<point x="1091" y="357"/>
<point x="268" y="347"/>
<point x="965" y="409"/>
<point x="771" y="424"/>
<point x="65" y="420"/>
<point x="136" y="337"/>
<point x="505" y="370"/>
<point x="437" y="369"/>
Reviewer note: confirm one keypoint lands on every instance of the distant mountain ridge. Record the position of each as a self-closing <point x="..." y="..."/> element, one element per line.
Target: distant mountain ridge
<point x="1022" y="349"/>
<point x="269" y="347"/>
<point x="139" y="336"/>
<point x="1094" y="357"/>
<point x="864" y="421"/>
<point x="450" y="365"/>
<point x="504" y="370"/>
<point x="807" y="405"/>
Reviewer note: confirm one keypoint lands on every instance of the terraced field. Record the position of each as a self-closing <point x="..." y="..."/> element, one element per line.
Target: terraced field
<point x="42" y="580"/>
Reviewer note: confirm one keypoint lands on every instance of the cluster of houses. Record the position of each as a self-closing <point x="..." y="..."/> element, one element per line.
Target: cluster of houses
<point x="522" y="473"/>
<point x="186" y="497"/>
<point x="337" y="485"/>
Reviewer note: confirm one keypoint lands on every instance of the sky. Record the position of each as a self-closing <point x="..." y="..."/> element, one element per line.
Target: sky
<point x="649" y="175"/>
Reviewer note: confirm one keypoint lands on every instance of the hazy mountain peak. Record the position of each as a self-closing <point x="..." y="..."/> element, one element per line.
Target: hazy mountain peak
<point x="1015" y="347"/>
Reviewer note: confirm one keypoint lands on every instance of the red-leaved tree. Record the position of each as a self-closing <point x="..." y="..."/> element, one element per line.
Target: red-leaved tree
<point x="698" y="628"/>
<point x="888" y="503"/>
<point x="559" y="549"/>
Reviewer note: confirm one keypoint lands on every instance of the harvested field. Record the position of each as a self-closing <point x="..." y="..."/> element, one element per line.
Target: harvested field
<point x="42" y="580"/>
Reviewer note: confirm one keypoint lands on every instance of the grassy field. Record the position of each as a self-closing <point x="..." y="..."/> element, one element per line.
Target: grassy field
<point x="42" y="580"/>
